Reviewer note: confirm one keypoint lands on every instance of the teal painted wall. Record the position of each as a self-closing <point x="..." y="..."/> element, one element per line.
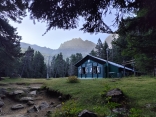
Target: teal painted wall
<point x="114" y="71"/>
<point x="89" y="70"/>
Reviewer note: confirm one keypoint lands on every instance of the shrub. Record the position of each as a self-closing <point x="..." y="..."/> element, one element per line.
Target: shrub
<point x="69" y="109"/>
<point x="135" y="112"/>
<point x="73" y="79"/>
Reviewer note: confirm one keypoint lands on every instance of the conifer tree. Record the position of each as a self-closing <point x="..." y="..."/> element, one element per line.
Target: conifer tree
<point x="74" y="58"/>
<point x="26" y="63"/>
<point x="93" y="53"/>
<point x="104" y="51"/>
<point x="9" y="40"/>
<point x="39" y="66"/>
<point x="99" y="48"/>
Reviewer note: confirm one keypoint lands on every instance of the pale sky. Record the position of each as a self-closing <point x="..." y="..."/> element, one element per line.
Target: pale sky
<point x="32" y="33"/>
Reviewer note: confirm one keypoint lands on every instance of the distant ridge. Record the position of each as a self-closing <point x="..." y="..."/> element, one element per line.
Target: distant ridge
<point x="76" y="45"/>
<point x="36" y="47"/>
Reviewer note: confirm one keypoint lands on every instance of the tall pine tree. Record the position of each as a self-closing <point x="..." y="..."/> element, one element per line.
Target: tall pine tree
<point x="39" y="66"/>
<point x="26" y="63"/>
<point x="74" y="58"/>
<point x="9" y="39"/>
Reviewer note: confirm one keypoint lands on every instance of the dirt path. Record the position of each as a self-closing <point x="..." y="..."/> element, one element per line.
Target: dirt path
<point x="41" y="96"/>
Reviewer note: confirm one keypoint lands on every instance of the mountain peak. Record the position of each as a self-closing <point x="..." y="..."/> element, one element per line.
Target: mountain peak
<point x="73" y="46"/>
<point x="77" y="43"/>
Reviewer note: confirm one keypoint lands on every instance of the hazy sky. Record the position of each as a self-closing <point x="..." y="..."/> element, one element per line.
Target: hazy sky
<point x="32" y="33"/>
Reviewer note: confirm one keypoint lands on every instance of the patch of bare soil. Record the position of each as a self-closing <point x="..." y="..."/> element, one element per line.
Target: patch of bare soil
<point x="38" y="98"/>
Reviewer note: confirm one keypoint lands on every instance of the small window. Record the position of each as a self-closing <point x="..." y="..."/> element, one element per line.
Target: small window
<point x="86" y="70"/>
<point x="90" y="70"/>
<point x="80" y="71"/>
<point x="95" y="69"/>
<point x="83" y="70"/>
<point x="98" y="70"/>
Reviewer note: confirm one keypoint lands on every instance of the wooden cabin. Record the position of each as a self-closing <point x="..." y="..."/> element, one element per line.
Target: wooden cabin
<point x="94" y="67"/>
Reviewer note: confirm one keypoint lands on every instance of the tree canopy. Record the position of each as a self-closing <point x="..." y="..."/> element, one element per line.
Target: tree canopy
<point x="65" y="14"/>
<point x="139" y="33"/>
<point x="9" y="39"/>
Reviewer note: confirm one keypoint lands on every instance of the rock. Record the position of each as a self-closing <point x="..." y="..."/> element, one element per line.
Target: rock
<point x="3" y="92"/>
<point x="148" y="105"/>
<point x="30" y="103"/>
<point x="35" y="88"/>
<point x="25" y="89"/>
<point x="60" y="98"/>
<point x="18" y="115"/>
<point x="38" y="98"/>
<point x="2" y="89"/>
<point x="0" y="110"/>
<point x="116" y="95"/>
<point x="52" y="104"/>
<point x="33" y="93"/>
<point x="10" y="93"/>
<point x="17" y="106"/>
<point x="119" y="110"/>
<point x="86" y="113"/>
<point x="22" y="116"/>
<point x="26" y="99"/>
<point x="2" y="96"/>
<point x="43" y="105"/>
<point x="17" y="92"/>
<point x="1" y="103"/>
<point x="33" y="109"/>
<point x="58" y="106"/>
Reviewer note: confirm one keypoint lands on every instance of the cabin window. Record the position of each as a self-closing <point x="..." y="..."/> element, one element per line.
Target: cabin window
<point x="83" y="71"/>
<point x="90" y="70"/>
<point x="98" y="70"/>
<point x="86" y="70"/>
<point x="80" y="71"/>
<point x="95" y="69"/>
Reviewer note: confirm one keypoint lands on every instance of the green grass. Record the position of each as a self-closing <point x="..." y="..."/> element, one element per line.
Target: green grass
<point x="86" y="94"/>
<point x="22" y="80"/>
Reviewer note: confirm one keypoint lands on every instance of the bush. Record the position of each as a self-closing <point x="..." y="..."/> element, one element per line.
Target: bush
<point x="73" y="79"/>
<point x="69" y="109"/>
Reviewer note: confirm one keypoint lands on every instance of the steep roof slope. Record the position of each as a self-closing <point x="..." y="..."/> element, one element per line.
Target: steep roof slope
<point x="102" y="61"/>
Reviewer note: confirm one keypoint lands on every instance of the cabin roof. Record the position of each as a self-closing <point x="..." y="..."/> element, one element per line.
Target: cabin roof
<point x="99" y="60"/>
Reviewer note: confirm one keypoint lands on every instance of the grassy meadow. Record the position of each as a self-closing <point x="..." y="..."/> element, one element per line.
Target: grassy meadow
<point x="140" y="92"/>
